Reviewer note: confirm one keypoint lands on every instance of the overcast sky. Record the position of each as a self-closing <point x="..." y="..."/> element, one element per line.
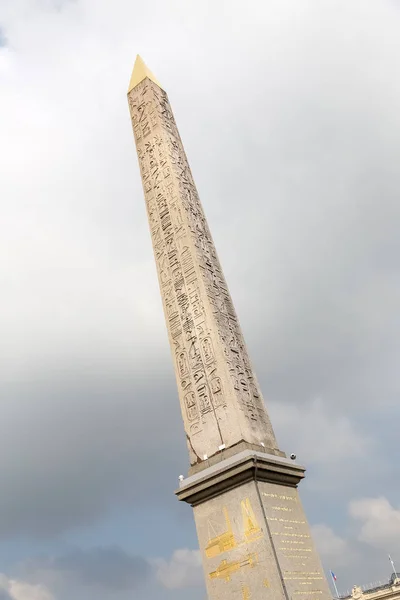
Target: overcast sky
<point x="289" y="111"/>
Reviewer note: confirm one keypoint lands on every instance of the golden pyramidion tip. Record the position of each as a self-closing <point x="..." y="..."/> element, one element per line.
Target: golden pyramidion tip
<point x="140" y="72"/>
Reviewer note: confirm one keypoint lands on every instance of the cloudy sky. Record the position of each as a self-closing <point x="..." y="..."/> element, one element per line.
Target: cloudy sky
<point x="289" y="111"/>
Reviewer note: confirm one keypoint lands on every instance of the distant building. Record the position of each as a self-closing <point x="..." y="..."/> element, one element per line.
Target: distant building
<point x="387" y="591"/>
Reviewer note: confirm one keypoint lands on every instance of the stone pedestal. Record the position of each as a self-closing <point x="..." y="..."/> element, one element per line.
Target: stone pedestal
<point x="254" y="537"/>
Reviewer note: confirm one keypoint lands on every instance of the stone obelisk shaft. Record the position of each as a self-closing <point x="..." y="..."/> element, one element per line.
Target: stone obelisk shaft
<point x="220" y="398"/>
<point x="253" y="534"/>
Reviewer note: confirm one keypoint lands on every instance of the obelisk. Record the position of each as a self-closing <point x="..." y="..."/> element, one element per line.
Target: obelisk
<point x="253" y="534"/>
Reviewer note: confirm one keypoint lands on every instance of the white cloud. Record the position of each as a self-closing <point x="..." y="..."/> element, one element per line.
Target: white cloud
<point x="19" y="590"/>
<point x="184" y="569"/>
<point x="329" y="545"/>
<point x="318" y="433"/>
<point x="380" y="522"/>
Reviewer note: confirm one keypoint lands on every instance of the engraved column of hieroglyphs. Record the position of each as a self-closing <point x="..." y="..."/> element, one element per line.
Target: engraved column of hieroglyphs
<point x="208" y="355"/>
<point x="243" y="379"/>
<point x="197" y="355"/>
<point x="177" y="276"/>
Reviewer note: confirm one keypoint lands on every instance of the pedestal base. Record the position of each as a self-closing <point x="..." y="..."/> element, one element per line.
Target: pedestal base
<point x="253" y="533"/>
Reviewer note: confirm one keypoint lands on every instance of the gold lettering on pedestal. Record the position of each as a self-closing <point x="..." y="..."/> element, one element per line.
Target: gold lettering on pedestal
<point x="292" y="541"/>
<point x="308" y="593"/>
<point x="304" y="580"/>
<point x="283" y="508"/>
<point x="280" y="497"/>
<point x="226" y="569"/>
<point x="295" y="549"/>
<point x="292" y="521"/>
<point x="303" y="577"/>
<point x="299" y="535"/>
<point x="301" y="573"/>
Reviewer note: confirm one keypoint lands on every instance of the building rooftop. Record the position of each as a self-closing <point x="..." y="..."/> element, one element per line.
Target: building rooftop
<point x="389" y="590"/>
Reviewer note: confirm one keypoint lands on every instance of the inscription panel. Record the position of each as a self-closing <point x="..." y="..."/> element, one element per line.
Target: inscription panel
<point x="183" y="306"/>
<point x="290" y="534"/>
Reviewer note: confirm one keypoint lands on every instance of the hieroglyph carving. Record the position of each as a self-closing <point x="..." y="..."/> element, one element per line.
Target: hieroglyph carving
<point x="220" y="398"/>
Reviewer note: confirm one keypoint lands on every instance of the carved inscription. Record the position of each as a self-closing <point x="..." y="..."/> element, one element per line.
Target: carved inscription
<point x="191" y="406"/>
<point x="191" y="344"/>
<point x="229" y="331"/>
<point x="292" y="541"/>
<point x="190" y="276"/>
<point x="218" y="395"/>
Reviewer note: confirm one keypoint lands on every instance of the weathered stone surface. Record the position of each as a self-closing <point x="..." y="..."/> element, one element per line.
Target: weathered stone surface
<point x="220" y="398"/>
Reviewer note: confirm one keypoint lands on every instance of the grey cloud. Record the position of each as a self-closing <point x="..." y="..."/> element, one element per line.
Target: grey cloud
<point x="183" y="570"/>
<point x="75" y="450"/>
<point x="109" y="568"/>
<point x="113" y="572"/>
<point x="380" y="522"/>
